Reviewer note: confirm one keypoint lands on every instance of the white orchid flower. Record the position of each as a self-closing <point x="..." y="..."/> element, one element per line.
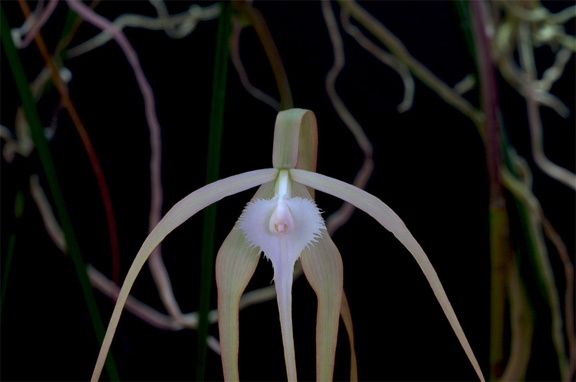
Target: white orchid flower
<point x="283" y="222"/>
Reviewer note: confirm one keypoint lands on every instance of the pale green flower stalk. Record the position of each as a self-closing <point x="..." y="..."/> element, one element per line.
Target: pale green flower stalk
<point x="283" y="221"/>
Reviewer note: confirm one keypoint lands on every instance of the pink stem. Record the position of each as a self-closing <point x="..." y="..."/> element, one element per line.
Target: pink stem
<point x="39" y="23"/>
<point x="157" y="266"/>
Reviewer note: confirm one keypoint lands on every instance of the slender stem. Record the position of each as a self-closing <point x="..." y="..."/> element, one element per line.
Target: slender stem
<point x="341" y="216"/>
<point x="157" y="267"/>
<point x="499" y="265"/>
<point x="257" y="20"/>
<point x="212" y="174"/>
<point x="489" y="100"/>
<point x="88" y="147"/>
<point x="542" y="265"/>
<point x="522" y="327"/>
<point x="498" y="218"/>
<point x="417" y="68"/>
<point x="41" y="144"/>
<point x="18" y="209"/>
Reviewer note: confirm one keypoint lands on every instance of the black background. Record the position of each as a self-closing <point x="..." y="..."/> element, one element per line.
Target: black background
<point x="429" y="167"/>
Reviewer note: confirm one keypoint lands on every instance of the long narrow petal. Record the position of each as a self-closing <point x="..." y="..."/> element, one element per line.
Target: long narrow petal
<point x="235" y="265"/>
<point x="182" y="211"/>
<point x="392" y="222"/>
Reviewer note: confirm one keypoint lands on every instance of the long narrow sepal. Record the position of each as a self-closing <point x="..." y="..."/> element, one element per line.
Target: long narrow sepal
<point x="182" y="211"/>
<point x="322" y="265"/>
<point x="235" y="265"/>
<point x="295" y="140"/>
<point x="392" y="222"/>
<point x="347" y="319"/>
<point x="323" y="268"/>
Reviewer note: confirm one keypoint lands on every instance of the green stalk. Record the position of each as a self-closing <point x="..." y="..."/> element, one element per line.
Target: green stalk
<point x="18" y="210"/>
<point x="500" y="256"/>
<point x="6" y="271"/>
<point x="41" y="144"/>
<point x="212" y="174"/>
<point x="500" y="265"/>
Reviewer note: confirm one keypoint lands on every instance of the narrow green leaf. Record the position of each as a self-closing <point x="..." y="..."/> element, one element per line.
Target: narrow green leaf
<point x="212" y="174"/>
<point x="41" y="144"/>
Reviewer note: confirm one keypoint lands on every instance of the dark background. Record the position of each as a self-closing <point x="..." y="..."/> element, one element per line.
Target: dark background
<point x="429" y="167"/>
